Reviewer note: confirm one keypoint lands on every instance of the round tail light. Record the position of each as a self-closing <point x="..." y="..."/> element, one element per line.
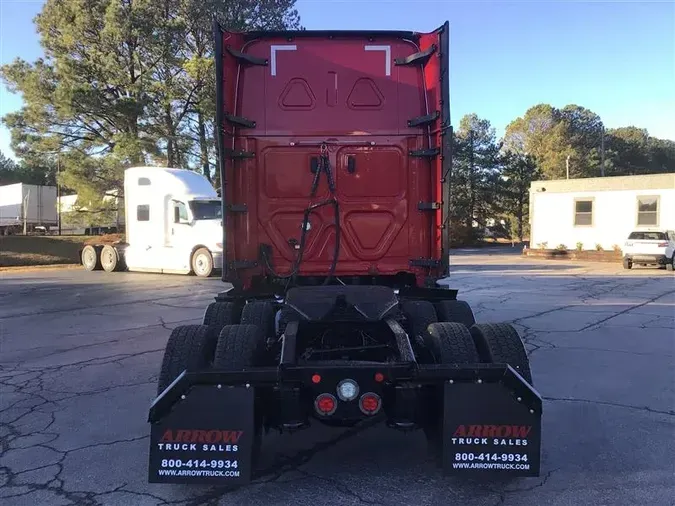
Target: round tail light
<point x="370" y="403"/>
<point x="325" y="404"/>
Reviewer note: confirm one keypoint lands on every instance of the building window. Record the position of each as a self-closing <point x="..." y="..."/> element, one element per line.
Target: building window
<point x="648" y="211"/>
<point x="143" y="212"/>
<point x="583" y="212"/>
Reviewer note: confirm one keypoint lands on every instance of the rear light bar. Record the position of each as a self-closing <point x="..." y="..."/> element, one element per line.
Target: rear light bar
<point x="663" y="245"/>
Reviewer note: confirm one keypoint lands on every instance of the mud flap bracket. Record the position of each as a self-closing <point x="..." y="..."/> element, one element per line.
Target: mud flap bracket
<point x="205" y="438"/>
<point x="491" y="428"/>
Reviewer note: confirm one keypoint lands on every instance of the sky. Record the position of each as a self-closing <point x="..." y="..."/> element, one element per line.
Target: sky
<point x="616" y="58"/>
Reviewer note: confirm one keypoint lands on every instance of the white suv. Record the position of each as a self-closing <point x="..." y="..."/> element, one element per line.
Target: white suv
<point x="653" y="247"/>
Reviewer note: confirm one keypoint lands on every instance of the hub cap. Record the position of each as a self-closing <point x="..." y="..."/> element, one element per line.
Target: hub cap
<point x="201" y="264"/>
<point x="89" y="257"/>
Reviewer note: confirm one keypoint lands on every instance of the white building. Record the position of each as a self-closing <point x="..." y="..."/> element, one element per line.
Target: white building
<point x="602" y="210"/>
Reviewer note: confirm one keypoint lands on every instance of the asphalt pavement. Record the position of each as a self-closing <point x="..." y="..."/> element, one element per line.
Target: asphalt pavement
<point x="80" y="353"/>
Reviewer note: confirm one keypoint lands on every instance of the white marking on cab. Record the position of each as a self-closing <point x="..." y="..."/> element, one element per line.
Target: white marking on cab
<point x="274" y="49"/>
<point x="387" y="50"/>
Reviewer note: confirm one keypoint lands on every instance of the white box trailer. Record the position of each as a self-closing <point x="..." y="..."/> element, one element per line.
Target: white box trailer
<point x="95" y="223"/>
<point x="173" y="224"/>
<point x="34" y="205"/>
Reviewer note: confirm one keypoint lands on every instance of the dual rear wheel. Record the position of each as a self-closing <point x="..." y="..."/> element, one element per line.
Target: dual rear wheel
<point x="96" y="257"/>
<point x="447" y="333"/>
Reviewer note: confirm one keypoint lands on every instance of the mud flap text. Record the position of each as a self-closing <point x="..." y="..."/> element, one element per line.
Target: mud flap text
<point x="485" y="428"/>
<point x="206" y="438"/>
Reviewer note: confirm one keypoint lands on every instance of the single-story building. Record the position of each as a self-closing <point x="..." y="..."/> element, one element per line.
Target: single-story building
<point x="599" y="211"/>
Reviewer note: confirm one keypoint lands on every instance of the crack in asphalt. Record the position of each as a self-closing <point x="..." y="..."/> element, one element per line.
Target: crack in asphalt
<point x="92" y="361"/>
<point x="340" y="487"/>
<point x="86" y="307"/>
<point x="111" y="331"/>
<point x="613" y="404"/>
<point x="631" y="308"/>
<point x="506" y="494"/>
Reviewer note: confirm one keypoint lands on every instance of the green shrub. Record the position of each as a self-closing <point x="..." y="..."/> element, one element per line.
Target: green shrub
<point x="580" y="246"/>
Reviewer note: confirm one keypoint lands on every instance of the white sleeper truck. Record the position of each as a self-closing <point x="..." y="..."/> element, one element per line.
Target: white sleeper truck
<point x="172" y="222"/>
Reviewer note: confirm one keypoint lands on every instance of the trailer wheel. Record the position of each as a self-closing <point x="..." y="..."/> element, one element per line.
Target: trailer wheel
<point x="109" y="258"/>
<point x="500" y="343"/>
<point x="260" y="313"/>
<point x="219" y="314"/>
<point x="457" y="311"/>
<point x="202" y="263"/>
<point x="189" y="347"/>
<point x="90" y="258"/>
<point x="451" y="343"/>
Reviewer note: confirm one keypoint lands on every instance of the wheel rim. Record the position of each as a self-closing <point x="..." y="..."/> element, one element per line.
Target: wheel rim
<point x="107" y="258"/>
<point x="89" y="257"/>
<point x="201" y="264"/>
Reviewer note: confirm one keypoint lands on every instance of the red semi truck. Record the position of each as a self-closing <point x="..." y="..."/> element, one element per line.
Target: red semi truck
<point x="335" y="151"/>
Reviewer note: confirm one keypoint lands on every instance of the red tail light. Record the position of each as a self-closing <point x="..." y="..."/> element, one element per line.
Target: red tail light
<point x="663" y="245"/>
<point x="370" y="403"/>
<point x="325" y="404"/>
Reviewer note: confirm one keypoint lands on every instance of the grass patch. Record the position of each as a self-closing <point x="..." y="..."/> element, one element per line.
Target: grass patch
<point x="18" y="250"/>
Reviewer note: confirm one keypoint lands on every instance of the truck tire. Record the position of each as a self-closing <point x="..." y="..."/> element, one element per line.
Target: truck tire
<point x="262" y="314"/>
<point x="109" y="258"/>
<point x="451" y="343"/>
<point x="219" y="314"/>
<point x="500" y="343"/>
<point x="90" y="258"/>
<point x="189" y="347"/>
<point x="627" y="263"/>
<point x="239" y="346"/>
<point x="202" y="263"/>
<point x="457" y="311"/>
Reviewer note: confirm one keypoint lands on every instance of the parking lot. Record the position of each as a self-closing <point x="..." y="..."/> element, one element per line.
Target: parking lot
<point x="80" y="353"/>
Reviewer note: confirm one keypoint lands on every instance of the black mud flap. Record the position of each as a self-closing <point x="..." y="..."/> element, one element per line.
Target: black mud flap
<point x="205" y="438"/>
<point x="492" y="427"/>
